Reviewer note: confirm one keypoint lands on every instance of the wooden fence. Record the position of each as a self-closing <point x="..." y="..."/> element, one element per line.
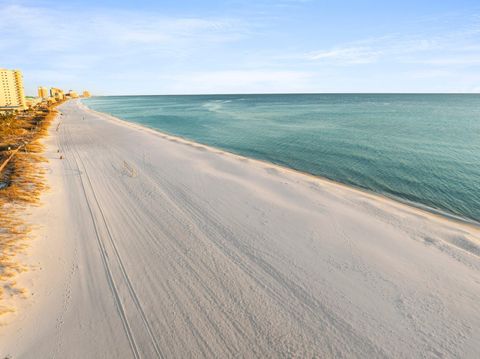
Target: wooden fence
<point x="5" y="163"/>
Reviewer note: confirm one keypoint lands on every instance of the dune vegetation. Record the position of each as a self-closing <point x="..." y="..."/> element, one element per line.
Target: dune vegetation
<point x="21" y="183"/>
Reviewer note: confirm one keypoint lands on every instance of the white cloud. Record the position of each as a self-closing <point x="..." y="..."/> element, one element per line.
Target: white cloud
<point x="241" y="81"/>
<point x="45" y="29"/>
<point x="458" y="47"/>
<point x="77" y="43"/>
<point x="347" y="55"/>
<point x="115" y="51"/>
<point x="465" y="60"/>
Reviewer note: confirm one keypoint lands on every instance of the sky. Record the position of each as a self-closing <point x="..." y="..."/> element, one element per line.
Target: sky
<point x="237" y="46"/>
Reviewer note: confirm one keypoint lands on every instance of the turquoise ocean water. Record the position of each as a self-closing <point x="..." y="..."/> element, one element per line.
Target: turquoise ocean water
<point x="423" y="149"/>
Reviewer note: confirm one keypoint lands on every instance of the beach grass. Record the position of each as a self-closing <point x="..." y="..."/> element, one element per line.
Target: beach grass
<point x="23" y="181"/>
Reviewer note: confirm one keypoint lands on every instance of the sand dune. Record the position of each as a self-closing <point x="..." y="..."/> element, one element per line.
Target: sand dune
<point x="150" y="246"/>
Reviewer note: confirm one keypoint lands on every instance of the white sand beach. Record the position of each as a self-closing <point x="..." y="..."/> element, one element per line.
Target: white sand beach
<point x="150" y="246"/>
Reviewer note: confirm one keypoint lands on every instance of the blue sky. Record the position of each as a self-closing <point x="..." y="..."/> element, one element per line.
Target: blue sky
<point x="179" y="47"/>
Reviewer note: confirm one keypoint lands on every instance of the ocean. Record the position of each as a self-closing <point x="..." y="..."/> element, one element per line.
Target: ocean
<point x="423" y="149"/>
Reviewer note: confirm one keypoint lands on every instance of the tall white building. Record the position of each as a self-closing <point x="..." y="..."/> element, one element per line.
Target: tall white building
<point x="43" y="92"/>
<point x="12" y="94"/>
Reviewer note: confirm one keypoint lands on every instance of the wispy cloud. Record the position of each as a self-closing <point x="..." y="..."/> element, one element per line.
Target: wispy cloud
<point x="45" y="30"/>
<point x="84" y="42"/>
<point x="457" y="47"/>
<point x="239" y="81"/>
<point x="458" y="60"/>
<point x="220" y="81"/>
<point x="113" y="25"/>
<point x="347" y="55"/>
<point x="267" y="46"/>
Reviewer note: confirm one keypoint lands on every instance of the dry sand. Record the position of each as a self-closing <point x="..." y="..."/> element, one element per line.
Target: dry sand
<point x="151" y="246"/>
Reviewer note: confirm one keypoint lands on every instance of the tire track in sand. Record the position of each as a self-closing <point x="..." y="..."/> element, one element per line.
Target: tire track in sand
<point x="120" y="262"/>
<point x="104" y="257"/>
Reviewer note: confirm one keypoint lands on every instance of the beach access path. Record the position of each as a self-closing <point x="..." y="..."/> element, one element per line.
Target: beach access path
<point x="150" y="246"/>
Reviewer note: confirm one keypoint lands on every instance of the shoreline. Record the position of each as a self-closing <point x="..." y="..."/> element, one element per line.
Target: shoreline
<point x="151" y="246"/>
<point x="424" y="209"/>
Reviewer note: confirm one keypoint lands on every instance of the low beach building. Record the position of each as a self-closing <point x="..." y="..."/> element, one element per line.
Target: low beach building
<point x="72" y="94"/>
<point x="57" y="94"/>
<point x="50" y="100"/>
<point x="86" y="93"/>
<point x="12" y="94"/>
<point x="33" y="102"/>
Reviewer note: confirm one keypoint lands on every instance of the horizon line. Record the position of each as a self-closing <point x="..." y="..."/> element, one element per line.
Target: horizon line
<point x="294" y="93"/>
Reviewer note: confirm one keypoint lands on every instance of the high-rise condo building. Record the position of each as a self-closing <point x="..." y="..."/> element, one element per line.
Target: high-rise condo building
<point x="12" y="94"/>
<point x="43" y="92"/>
